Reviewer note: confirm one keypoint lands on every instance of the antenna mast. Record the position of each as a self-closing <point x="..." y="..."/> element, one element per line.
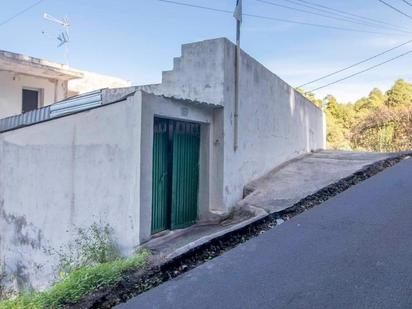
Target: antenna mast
<point x="63" y="37"/>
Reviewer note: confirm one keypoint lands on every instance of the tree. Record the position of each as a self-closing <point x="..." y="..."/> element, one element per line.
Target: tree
<point x="378" y="122"/>
<point x="338" y="119"/>
<point x="400" y="95"/>
<point x="374" y="100"/>
<point x="385" y="129"/>
<point x="311" y="97"/>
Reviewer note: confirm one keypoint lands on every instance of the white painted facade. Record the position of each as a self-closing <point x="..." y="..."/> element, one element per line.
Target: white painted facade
<point x="156" y="106"/>
<point x="61" y="175"/>
<point x="12" y="84"/>
<point x="54" y="81"/>
<point x="276" y="123"/>
<point x="70" y="172"/>
<point x="96" y="165"/>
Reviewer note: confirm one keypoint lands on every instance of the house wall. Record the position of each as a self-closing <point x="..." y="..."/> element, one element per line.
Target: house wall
<point x="276" y="123"/>
<point x="95" y="166"/>
<point x="11" y="85"/>
<point x="63" y="174"/>
<point x="68" y="173"/>
<point x="54" y="90"/>
<point x="155" y="106"/>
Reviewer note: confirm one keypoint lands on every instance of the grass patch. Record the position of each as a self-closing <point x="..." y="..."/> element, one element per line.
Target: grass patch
<point x="80" y="283"/>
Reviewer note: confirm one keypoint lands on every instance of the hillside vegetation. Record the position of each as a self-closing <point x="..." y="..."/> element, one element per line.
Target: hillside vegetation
<point x="379" y="122"/>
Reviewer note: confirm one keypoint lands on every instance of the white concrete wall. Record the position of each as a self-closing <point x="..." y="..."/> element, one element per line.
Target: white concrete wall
<point x="155" y="106"/>
<point x="96" y="166"/>
<point x="93" y="166"/>
<point x="198" y="74"/>
<point x="276" y="123"/>
<point x="12" y="84"/>
<point x="64" y="174"/>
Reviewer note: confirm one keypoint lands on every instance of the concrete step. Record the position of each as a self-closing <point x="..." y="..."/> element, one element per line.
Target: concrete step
<point x="177" y="61"/>
<point x="167" y="76"/>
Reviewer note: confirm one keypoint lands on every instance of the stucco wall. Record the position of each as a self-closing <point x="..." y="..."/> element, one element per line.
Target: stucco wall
<point x="96" y="165"/>
<point x="198" y="74"/>
<point x="155" y="106"/>
<point x="275" y="122"/>
<point x="64" y="174"/>
<point x="12" y="84"/>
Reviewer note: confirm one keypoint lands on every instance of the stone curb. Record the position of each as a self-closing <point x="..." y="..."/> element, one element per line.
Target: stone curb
<point x="205" y="239"/>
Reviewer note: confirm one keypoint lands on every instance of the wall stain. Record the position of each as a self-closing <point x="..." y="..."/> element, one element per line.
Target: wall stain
<point x="22" y="278"/>
<point x="21" y="230"/>
<point x="19" y="224"/>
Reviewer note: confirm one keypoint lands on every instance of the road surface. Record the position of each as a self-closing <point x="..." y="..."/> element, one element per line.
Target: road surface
<point x="353" y="251"/>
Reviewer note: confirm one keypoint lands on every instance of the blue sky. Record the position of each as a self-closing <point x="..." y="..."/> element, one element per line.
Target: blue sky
<point x="138" y="39"/>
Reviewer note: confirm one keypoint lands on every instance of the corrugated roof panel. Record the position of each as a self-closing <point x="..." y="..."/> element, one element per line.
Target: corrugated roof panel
<point x="62" y="108"/>
<point x="78" y="103"/>
<point x="34" y="116"/>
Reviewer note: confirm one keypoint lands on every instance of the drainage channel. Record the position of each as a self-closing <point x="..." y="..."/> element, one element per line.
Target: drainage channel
<point x="136" y="283"/>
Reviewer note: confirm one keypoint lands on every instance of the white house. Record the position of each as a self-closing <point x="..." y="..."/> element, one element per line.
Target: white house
<point x="145" y="159"/>
<point x="27" y="83"/>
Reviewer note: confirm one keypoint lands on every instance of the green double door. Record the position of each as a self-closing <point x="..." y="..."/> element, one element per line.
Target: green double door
<point x="175" y="174"/>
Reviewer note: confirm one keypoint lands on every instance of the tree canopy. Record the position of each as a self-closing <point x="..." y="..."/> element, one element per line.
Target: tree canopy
<point x="378" y="122"/>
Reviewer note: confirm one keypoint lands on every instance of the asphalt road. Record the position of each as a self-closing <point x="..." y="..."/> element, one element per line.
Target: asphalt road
<point x="354" y="251"/>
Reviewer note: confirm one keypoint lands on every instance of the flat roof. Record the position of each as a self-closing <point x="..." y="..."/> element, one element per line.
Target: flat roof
<point x="37" y="67"/>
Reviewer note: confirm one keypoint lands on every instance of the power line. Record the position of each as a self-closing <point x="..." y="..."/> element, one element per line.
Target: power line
<point x="20" y="12"/>
<point x="272" y="18"/>
<point x="197" y="6"/>
<point x="395" y="9"/>
<point x="363" y="71"/>
<point x="330" y="15"/>
<point x="356" y="64"/>
<point x="313" y="24"/>
<point x="407" y="2"/>
<point x="325" y="8"/>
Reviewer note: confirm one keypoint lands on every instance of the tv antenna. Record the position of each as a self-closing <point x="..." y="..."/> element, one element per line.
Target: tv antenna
<point x="63" y="37"/>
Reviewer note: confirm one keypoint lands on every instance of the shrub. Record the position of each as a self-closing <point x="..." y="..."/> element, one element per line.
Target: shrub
<point x="93" y="246"/>
<point x="79" y="283"/>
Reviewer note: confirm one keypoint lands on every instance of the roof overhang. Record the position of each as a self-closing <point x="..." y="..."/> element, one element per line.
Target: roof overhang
<point x="192" y="102"/>
<point x="36" y="67"/>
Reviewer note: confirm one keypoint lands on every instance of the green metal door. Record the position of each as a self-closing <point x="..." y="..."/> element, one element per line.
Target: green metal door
<point x="185" y="179"/>
<point x="175" y="174"/>
<point x="160" y="180"/>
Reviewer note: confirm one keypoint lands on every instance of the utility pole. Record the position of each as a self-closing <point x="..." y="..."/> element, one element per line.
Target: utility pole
<point x="238" y="16"/>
